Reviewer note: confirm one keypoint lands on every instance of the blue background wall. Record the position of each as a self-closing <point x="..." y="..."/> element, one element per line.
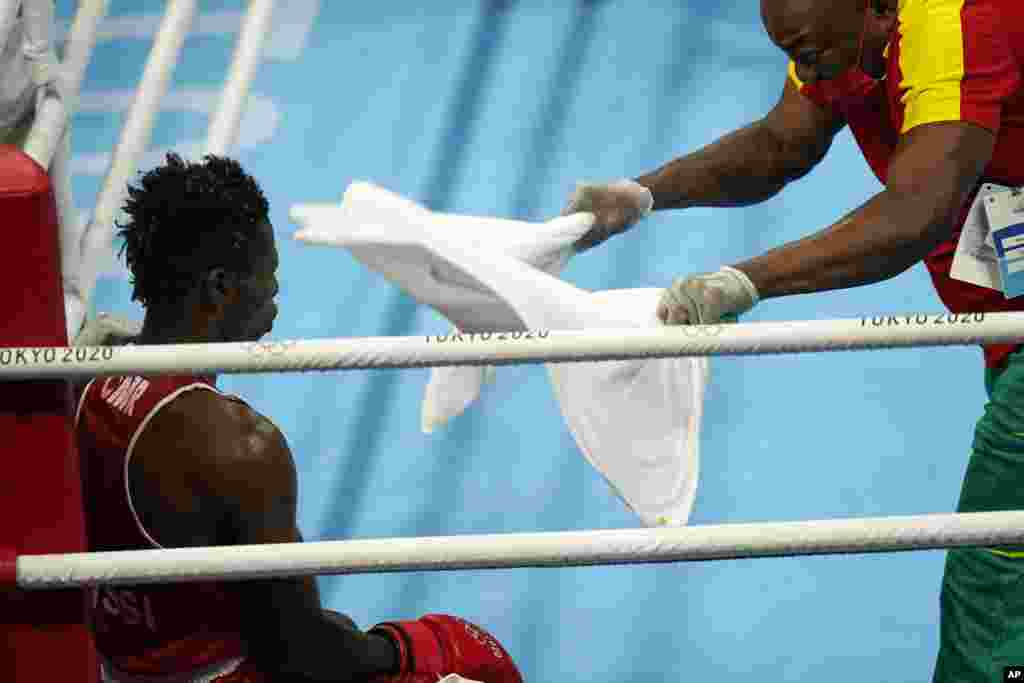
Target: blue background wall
<point x="499" y="108"/>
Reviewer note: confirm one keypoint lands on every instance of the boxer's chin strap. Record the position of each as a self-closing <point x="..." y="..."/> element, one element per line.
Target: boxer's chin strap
<point x="8" y="567"/>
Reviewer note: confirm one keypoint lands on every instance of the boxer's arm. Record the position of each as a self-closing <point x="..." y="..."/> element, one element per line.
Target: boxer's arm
<point x="285" y="627"/>
<point x="752" y="164"/>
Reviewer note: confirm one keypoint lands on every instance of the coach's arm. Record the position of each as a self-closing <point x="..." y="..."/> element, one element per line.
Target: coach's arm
<point x="932" y="172"/>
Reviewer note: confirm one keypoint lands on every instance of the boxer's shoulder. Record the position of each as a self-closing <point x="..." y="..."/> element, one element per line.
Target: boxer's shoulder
<point x="211" y="426"/>
<point x="218" y="457"/>
<point x="228" y="432"/>
<point x="213" y="409"/>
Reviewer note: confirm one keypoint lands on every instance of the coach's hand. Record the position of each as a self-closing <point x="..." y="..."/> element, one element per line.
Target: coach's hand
<point x="438" y="644"/>
<point x="708" y="298"/>
<point x="616" y="207"/>
<point x="107" y="330"/>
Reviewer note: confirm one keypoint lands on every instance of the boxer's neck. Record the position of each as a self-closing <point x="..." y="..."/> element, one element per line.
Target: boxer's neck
<point x="163" y="326"/>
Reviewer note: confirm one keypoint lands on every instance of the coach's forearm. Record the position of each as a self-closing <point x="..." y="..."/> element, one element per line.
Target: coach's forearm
<point x="877" y="241"/>
<point x="745" y="167"/>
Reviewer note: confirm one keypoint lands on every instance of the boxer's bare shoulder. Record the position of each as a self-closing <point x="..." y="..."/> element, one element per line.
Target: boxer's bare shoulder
<point x="205" y="416"/>
<point x="205" y="462"/>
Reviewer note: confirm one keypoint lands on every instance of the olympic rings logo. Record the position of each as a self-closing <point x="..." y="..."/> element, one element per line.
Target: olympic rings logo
<point x="701" y="330"/>
<point x="274" y="348"/>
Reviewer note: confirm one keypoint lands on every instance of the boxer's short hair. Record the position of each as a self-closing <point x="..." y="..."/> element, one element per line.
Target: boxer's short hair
<point x="185" y="218"/>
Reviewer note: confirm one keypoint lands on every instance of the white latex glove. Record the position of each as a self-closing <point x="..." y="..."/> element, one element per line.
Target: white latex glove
<point x="107" y="330"/>
<point x="708" y="298"/>
<point x="616" y="207"/>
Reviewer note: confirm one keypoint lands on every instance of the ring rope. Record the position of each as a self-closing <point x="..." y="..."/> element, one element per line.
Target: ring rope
<point x="502" y="551"/>
<point x="532" y="346"/>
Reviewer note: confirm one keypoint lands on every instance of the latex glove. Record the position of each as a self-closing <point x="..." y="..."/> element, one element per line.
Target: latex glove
<point x="708" y="298"/>
<point x="616" y="207"/>
<point x="107" y="330"/>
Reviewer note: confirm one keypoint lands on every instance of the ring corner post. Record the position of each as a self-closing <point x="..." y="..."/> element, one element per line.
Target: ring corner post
<point x="40" y="490"/>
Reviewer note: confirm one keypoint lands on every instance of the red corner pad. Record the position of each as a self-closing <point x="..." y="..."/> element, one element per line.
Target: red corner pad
<point x="20" y="174"/>
<point x="8" y="567"/>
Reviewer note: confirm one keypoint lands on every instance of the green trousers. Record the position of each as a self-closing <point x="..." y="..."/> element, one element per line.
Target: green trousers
<point x="982" y="599"/>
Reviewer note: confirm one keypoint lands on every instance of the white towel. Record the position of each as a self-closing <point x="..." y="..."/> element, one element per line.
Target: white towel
<point x="17" y="91"/>
<point x="637" y="422"/>
<point x="369" y="213"/>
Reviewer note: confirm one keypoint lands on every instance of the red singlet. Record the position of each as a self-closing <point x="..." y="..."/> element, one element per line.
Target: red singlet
<point x="159" y="633"/>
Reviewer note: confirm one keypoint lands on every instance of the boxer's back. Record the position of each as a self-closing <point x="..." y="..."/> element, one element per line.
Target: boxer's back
<point x="188" y="631"/>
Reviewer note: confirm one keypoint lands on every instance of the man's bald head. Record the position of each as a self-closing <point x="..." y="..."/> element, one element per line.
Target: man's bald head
<point x="786" y="19"/>
<point x="824" y="37"/>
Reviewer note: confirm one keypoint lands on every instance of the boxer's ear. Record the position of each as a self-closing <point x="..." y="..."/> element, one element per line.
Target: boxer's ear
<point x="219" y="288"/>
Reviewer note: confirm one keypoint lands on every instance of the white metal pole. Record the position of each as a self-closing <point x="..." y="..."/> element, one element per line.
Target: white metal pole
<point x="135" y="136"/>
<point x="223" y="128"/>
<point x="59" y="104"/>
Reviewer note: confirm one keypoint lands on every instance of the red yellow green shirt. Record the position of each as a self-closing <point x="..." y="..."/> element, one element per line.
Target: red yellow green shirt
<point x="948" y="60"/>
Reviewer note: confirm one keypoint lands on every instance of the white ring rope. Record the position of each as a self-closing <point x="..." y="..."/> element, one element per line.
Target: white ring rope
<point x="536" y="346"/>
<point x="502" y="551"/>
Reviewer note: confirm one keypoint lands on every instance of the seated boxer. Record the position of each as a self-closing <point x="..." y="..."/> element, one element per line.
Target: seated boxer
<point x="171" y="462"/>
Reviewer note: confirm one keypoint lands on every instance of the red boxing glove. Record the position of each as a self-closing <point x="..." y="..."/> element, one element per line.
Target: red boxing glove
<point x="438" y="644"/>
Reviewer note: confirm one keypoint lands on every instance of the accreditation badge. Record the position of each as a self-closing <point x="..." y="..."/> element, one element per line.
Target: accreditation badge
<point x="975" y="260"/>
<point x="1005" y="214"/>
